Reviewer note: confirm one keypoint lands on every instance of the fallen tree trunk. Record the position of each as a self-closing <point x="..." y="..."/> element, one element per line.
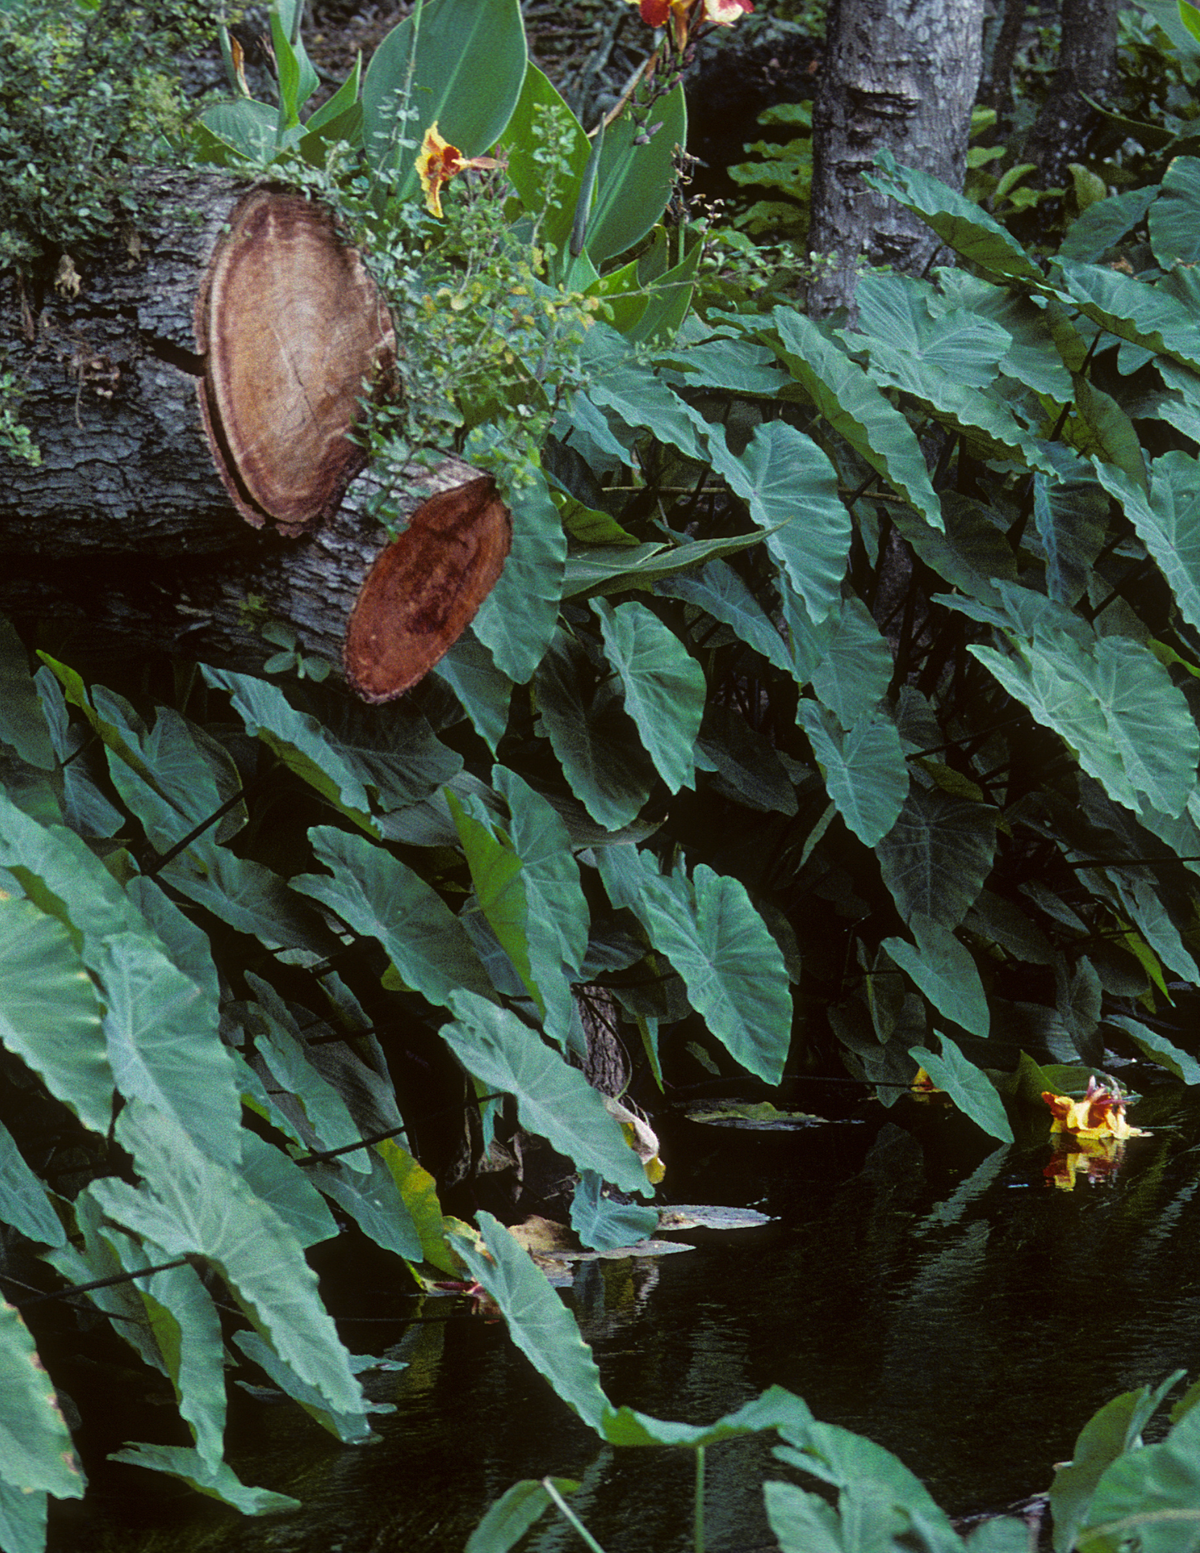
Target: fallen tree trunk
<point x="198" y="377"/>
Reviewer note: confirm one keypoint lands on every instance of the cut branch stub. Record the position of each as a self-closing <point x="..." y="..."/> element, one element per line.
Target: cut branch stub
<point x="293" y="330"/>
<point x="425" y="588"/>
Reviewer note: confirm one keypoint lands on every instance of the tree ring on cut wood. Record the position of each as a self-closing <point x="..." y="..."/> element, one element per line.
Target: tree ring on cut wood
<point x="293" y="331"/>
<point x="424" y="589"/>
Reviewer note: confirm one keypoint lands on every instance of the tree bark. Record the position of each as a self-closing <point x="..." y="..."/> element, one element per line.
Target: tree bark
<point x="996" y="84"/>
<point x="900" y="74"/>
<point x="127" y="529"/>
<point x="1086" y="61"/>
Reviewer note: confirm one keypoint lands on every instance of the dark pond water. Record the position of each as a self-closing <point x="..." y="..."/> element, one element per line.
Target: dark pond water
<point x="952" y="1304"/>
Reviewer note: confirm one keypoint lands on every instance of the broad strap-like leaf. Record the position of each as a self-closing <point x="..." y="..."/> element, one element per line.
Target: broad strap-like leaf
<point x="466" y="63"/>
<point x="636" y="177"/>
<point x="733" y="970"/>
<point x="618" y="568"/>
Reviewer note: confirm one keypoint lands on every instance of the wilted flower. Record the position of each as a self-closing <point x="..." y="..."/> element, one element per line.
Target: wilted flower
<point x="438" y="162"/>
<point x="1100" y="1114"/>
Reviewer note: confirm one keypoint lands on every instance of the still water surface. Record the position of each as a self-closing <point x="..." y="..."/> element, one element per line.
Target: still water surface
<point x="950" y="1303"/>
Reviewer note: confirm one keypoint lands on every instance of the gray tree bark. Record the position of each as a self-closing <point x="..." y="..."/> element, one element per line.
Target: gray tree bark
<point x="126" y="531"/>
<point x="1086" y="62"/>
<point x="900" y="74"/>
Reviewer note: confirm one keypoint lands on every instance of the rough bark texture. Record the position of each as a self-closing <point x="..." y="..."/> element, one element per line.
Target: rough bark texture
<point x="1086" y="60"/>
<point x="126" y="529"/>
<point x="900" y="74"/>
<point x="996" y="86"/>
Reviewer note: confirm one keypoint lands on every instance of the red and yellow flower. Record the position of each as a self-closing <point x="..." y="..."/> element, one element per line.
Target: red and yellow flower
<point x="438" y="162"/>
<point x="923" y="1088"/>
<point x="683" y="14"/>
<point x="1100" y="1114"/>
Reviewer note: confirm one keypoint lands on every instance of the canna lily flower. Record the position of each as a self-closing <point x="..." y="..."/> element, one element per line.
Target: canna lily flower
<point x="682" y="13"/>
<point x="723" y="13"/>
<point x="1100" y="1114"/>
<point x="438" y="162"/>
<point x="655" y="13"/>
<point x="923" y="1088"/>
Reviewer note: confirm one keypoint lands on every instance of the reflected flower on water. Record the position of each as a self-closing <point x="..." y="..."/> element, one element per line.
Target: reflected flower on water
<point x="1093" y="1159"/>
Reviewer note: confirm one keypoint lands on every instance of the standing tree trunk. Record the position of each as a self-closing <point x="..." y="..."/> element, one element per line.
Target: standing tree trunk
<point x="1086" y="60"/>
<point x="901" y="74"/>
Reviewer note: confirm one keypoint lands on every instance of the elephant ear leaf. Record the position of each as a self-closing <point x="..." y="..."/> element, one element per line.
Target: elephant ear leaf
<point x="733" y="969"/>
<point x="36" y="1452"/>
<point x="971" y="1090"/>
<point x="554" y="1100"/>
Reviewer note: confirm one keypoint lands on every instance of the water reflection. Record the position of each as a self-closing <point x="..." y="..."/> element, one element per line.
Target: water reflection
<point x="949" y="1302"/>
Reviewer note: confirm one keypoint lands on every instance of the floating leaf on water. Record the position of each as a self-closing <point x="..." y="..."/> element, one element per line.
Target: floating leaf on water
<point x="761" y="1116"/>
<point x="639" y="1248"/>
<point x="709" y="1216"/>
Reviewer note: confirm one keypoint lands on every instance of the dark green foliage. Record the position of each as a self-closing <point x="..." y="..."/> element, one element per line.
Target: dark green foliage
<point x="86" y="90"/>
<point x="837" y="708"/>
